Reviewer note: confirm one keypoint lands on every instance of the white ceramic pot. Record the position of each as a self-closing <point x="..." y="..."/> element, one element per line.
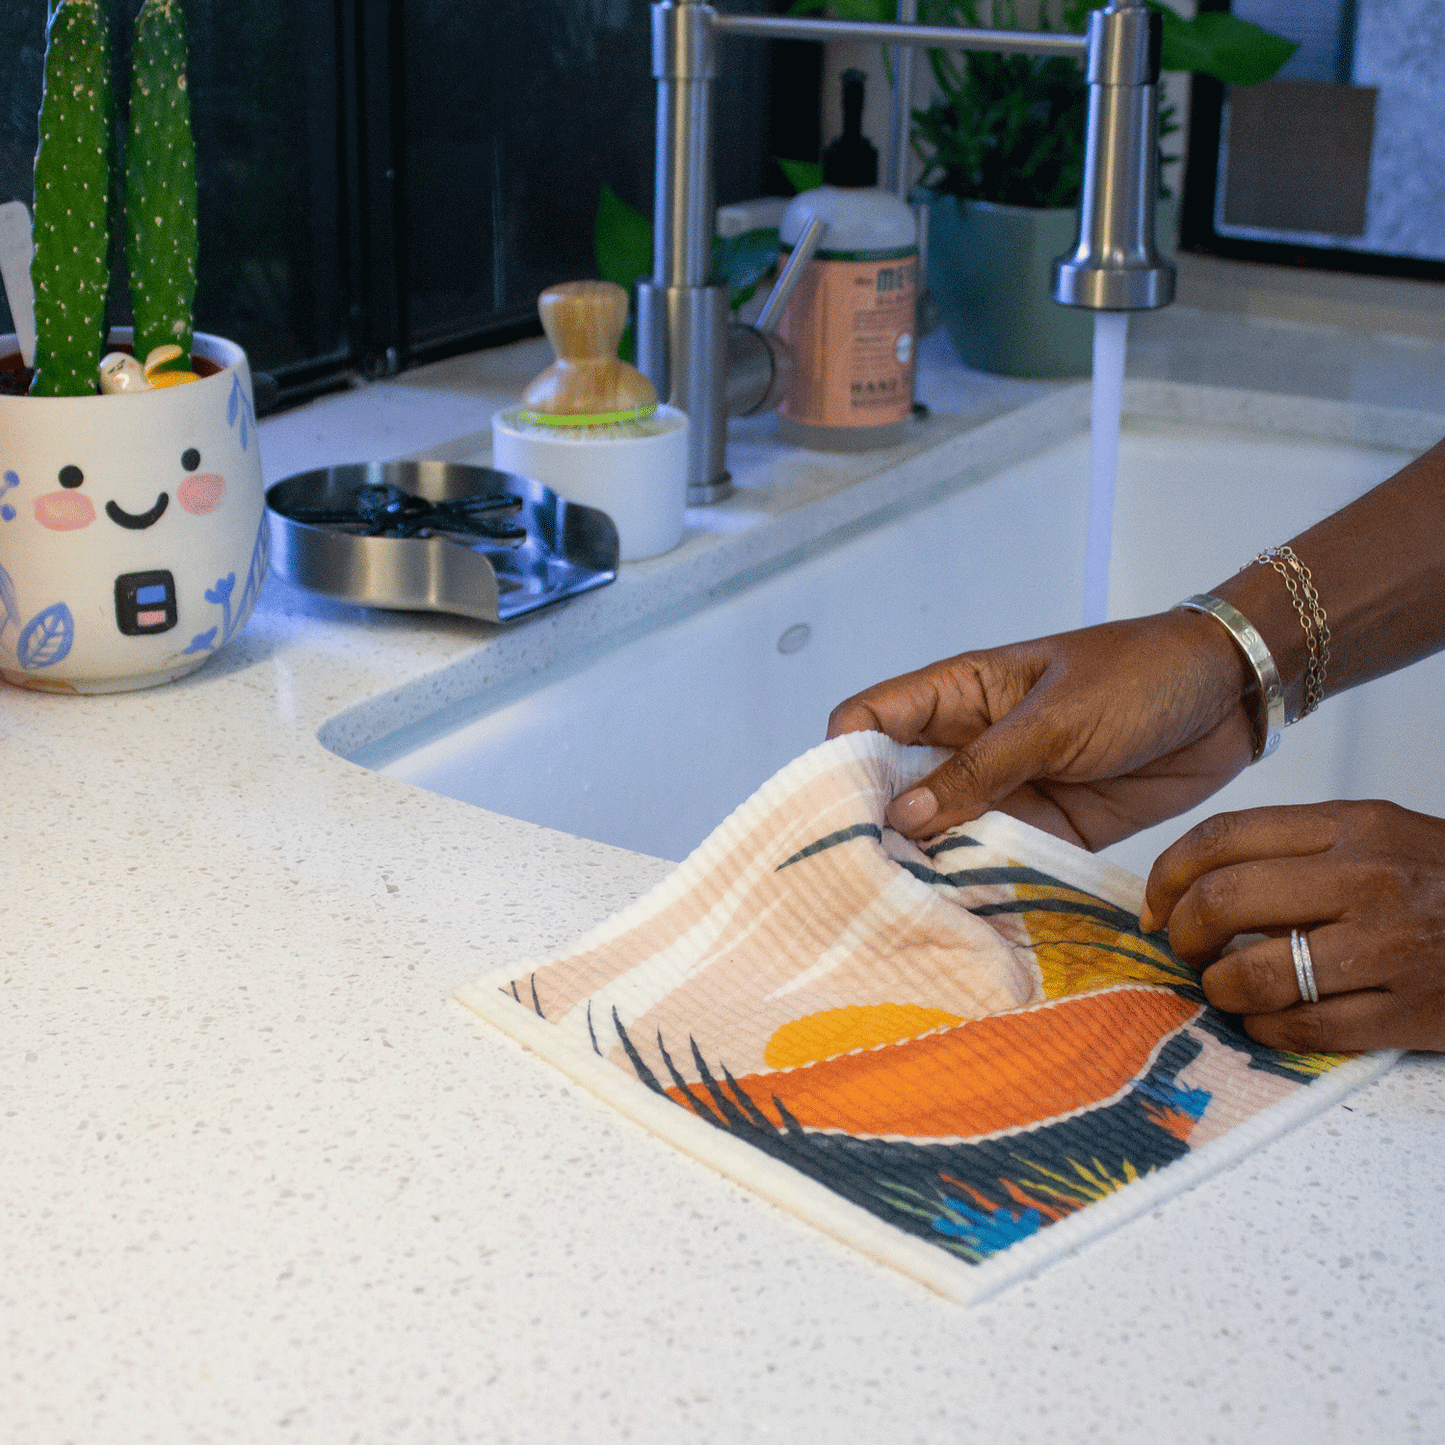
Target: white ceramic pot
<point x="639" y="481"/>
<point x="133" y="539"/>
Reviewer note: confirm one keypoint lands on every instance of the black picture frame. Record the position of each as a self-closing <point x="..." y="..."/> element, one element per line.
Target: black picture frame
<point x="1197" y="232"/>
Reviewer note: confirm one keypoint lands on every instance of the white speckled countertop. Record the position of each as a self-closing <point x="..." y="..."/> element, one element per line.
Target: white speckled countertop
<point x="261" y="1178"/>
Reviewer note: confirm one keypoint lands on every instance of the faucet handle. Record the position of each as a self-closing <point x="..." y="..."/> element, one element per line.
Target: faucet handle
<point x="759" y="361"/>
<point x="588" y="385"/>
<point x="791" y="274"/>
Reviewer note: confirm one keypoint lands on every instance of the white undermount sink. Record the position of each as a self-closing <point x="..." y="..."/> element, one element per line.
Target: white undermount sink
<point x="647" y="737"/>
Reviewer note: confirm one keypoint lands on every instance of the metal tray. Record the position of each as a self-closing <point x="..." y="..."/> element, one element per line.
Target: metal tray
<point x="527" y="549"/>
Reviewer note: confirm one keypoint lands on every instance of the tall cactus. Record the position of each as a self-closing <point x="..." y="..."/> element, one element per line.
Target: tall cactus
<point x="72" y="187"/>
<point x="160" y="183"/>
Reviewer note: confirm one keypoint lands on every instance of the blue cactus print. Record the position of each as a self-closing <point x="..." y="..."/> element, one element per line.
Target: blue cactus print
<point x="46" y="639"/>
<point x="220" y="596"/>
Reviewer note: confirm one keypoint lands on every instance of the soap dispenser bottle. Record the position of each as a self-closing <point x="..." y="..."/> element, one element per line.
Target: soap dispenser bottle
<point x="851" y="320"/>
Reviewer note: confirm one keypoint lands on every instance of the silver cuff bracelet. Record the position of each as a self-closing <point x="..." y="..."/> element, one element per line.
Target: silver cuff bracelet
<point x="1269" y="719"/>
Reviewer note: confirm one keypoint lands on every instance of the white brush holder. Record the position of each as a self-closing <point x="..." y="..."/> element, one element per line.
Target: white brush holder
<point x="639" y="481"/>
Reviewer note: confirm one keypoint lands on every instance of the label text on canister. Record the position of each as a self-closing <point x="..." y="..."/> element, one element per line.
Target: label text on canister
<point x="850" y="323"/>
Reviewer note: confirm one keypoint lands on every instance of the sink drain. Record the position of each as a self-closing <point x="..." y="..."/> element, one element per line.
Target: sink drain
<point x="794" y="638"/>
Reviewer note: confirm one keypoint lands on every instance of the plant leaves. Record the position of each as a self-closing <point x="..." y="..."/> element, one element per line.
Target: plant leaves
<point x="1006" y="128"/>
<point x="802" y="175"/>
<point x="1010" y="128"/>
<point x="622" y="246"/>
<point x="866" y="10"/>
<point x="742" y="261"/>
<point x="621" y="240"/>
<point x="1216" y="43"/>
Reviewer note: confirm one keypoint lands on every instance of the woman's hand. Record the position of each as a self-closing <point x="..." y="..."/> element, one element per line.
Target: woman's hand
<point x="1090" y="735"/>
<point x="1365" y="882"/>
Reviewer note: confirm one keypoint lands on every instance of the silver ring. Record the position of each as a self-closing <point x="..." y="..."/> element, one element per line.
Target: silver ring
<point x="1304" y="966"/>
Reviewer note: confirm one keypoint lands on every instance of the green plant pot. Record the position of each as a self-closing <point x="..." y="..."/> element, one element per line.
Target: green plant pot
<point x="990" y="268"/>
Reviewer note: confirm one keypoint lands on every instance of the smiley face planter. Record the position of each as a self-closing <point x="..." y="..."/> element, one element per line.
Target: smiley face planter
<point x="133" y="538"/>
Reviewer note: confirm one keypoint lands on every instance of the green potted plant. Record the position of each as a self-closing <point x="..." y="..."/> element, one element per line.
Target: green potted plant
<point x="127" y="513"/>
<point x="1003" y="151"/>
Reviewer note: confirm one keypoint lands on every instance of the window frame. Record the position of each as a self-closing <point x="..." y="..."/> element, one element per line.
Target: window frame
<point x="1197" y="231"/>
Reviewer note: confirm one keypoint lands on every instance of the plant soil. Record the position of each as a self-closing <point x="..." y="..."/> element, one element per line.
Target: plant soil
<point x="15" y="377"/>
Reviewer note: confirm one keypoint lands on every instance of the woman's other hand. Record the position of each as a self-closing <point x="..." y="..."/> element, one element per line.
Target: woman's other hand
<point x="1091" y="735"/>
<point x="1365" y="883"/>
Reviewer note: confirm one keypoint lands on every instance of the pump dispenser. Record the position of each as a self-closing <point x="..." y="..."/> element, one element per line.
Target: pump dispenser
<point x="852" y="159"/>
<point x="851" y="320"/>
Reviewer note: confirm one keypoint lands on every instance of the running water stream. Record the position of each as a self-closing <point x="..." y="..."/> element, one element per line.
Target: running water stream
<point x="1111" y="335"/>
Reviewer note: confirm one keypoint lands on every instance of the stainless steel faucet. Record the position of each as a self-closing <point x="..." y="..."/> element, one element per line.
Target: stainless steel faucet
<point x="712" y="368"/>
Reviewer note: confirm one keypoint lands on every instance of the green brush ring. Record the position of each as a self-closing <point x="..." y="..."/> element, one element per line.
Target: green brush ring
<point x="598" y="418"/>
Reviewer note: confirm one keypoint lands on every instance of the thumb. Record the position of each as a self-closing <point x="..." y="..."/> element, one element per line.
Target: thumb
<point x="1000" y="760"/>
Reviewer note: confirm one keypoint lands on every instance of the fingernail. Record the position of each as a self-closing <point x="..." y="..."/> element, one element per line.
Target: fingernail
<point x="912" y="810"/>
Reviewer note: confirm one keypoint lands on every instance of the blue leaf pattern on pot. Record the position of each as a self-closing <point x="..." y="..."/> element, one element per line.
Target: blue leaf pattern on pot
<point x="47" y="638"/>
<point x="240" y="411"/>
<point x="220" y="596"/>
<point x="9" y="606"/>
<point x="256" y="572"/>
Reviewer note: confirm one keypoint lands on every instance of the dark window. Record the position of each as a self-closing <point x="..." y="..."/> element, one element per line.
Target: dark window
<point x="384" y="181"/>
<point x="265" y="93"/>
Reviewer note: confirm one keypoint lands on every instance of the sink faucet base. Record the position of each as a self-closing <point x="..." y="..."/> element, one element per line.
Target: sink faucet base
<point x="682" y="346"/>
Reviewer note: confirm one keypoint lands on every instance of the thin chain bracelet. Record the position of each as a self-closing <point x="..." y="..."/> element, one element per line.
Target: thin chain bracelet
<point x="1312" y="618"/>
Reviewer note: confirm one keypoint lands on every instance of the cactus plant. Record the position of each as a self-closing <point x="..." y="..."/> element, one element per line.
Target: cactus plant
<point x="72" y="186"/>
<point x="160" y="183"/>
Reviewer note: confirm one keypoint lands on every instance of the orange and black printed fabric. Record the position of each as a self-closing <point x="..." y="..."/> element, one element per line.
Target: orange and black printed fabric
<point x="959" y="1039"/>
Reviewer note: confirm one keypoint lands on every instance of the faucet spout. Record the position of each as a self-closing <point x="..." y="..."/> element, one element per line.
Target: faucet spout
<point x="1115" y="266"/>
<point x="708" y="369"/>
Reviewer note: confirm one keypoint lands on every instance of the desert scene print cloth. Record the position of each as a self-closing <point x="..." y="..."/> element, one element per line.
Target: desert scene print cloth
<point x="962" y="1058"/>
